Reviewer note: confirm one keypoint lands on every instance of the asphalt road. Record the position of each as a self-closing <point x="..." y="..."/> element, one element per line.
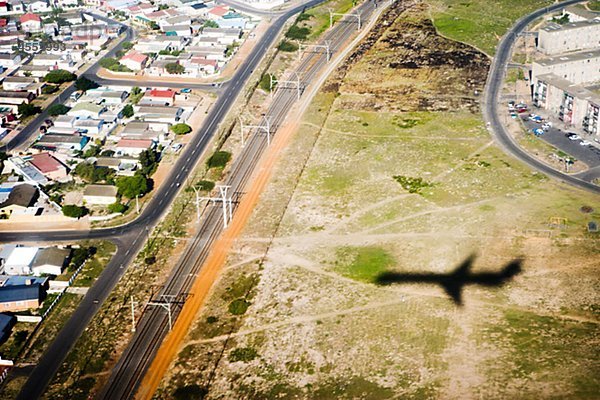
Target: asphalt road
<point x="492" y="110"/>
<point x="130" y="237"/>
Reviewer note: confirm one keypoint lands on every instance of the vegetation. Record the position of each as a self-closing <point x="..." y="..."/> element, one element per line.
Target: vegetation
<point x="149" y="160"/>
<point x="27" y="110"/>
<point x="135" y="95"/>
<point x="49" y="89"/>
<point x="244" y="354"/>
<point x="265" y="82"/>
<point x="175" y="68"/>
<point x="297" y="33"/>
<point x="210" y="24"/>
<point x="413" y="185"/>
<point x="230" y="49"/>
<point x="84" y="84"/>
<point x="206" y="186"/>
<point x="363" y="263"/>
<point x="92" y="174"/>
<point x="181" y="129"/>
<point x="190" y="392"/>
<point x="127" y="45"/>
<point x="113" y="64"/>
<point x="561" y="20"/>
<point x="132" y="186"/>
<point x="74" y="211"/>
<point x="219" y="159"/>
<point x="59" y="76"/>
<point x="594" y="5"/>
<point x="117" y="207"/>
<point x="128" y="111"/>
<point x="287" y="46"/>
<point x="58" y="109"/>
<point x="238" y="306"/>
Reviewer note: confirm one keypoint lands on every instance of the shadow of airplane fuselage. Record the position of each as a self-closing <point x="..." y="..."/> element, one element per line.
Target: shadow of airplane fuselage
<point x="454" y="282"/>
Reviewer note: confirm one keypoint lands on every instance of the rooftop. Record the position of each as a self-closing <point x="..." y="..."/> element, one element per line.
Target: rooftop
<point x="571" y="57"/>
<point x="46" y="163"/>
<point x="51" y="256"/>
<point x="135" y="143"/>
<point x="23" y="195"/>
<point x="100" y="190"/>
<point x="554" y="27"/>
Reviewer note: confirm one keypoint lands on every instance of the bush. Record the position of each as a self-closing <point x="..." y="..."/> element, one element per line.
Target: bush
<point x="297" y="33"/>
<point x="181" y="129"/>
<point x="84" y="84"/>
<point x="26" y="110"/>
<point x="58" y="109"/>
<point x="59" y="76"/>
<point x="287" y="46"/>
<point x="265" y="82"/>
<point x="128" y="111"/>
<point x="219" y="159"/>
<point x="132" y="186"/>
<point x="190" y="392"/>
<point x="303" y="17"/>
<point x="205" y="185"/>
<point x="175" y="68"/>
<point x="244" y="354"/>
<point x="413" y="185"/>
<point x="117" y="207"/>
<point x="108" y="62"/>
<point x="49" y="89"/>
<point x="238" y="306"/>
<point x="74" y="211"/>
<point x="127" y="45"/>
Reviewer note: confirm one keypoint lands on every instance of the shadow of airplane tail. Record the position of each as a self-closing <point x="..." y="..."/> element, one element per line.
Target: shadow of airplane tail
<point x="454" y="282"/>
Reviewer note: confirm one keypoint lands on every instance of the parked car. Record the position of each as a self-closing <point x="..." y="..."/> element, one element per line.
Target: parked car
<point x="585" y="143"/>
<point x="186" y="90"/>
<point x="538" y="131"/>
<point x="574" y="137"/>
<point x="547" y="125"/>
<point x="49" y="122"/>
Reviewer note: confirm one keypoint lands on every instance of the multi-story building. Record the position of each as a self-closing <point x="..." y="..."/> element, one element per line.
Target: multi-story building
<point x="580" y="67"/>
<point x="574" y="36"/>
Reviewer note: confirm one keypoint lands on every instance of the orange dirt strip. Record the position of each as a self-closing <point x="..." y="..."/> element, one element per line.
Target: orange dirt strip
<point x="213" y="266"/>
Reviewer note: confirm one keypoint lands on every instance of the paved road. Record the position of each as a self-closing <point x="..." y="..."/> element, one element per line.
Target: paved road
<point x="130" y="237"/>
<point x="491" y="110"/>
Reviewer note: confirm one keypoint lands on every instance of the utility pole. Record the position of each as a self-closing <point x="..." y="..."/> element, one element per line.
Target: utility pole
<point x="165" y="303"/>
<point x="355" y="15"/>
<point x="133" y="303"/>
<point x="225" y="201"/>
<point x="325" y="47"/>
<point x="265" y="127"/>
<point x="295" y="84"/>
<point x="197" y="203"/>
<point x="137" y="204"/>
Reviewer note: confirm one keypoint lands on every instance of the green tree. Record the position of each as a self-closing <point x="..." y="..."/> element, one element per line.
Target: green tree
<point x="84" y="84"/>
<point x="27" y="110"/>
<point x="265" y="82"/>
<point x="49" y="89"/>
<point x="219" y="159"/>
<point x="117" y="207"/>
<point x="297" y="33"/>
<point x="128" y="111"/>
<point x="59" y="76"/>
<point x="107" y="62"/>
<point x="287" y="46"/>
<point x="149" y="161"/>
<point x="127" y="45"/>
<point x="181" y="129"/>
<point x="74" y="211"/>
<point x="135" y="91"/>
<point x="58" y="109"/>
<point x="132" y="186"/>
<point x="210" y="24"/>
<point x="175" y="68"/>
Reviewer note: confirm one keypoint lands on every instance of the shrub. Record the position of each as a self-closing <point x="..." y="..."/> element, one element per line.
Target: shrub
<point x="205" y="185"/>
<point x="74" y="211"/>
<point x="108" y="62"/>
<point x="117" y="207"/>
<point x="58" y="109"/>
<point x="190" y="392"/>
<point x="84" y="84"/>
<point x="175" y="68"/>
<point x="49" y="89"/>
<point x="59" y="76"/>
<point x="265" y="82"/>
<point x="287" y="46"/>
<point x="26" y="110"/>
<point x="219" y="159"/>
<point x="127" y="45"/>
<point x="413" y="185"/>
<point x="128" y="111"/>
<point x="132" y="186"/>
<point x="181" y="129"/>
<point x="244" y="354"/>
<point x="297" y="33"/>
<point x="238" y="306"/>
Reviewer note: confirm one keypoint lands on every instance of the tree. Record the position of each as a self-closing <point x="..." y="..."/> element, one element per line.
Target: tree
<point x="175" y="68"/>
<point x="297" y="33"/>
<point x="219" y="159"/>
<point x="107" y="62"/>
<point x="58" y="109"/>
<point x="181" y="129"/>
<point x="74" y="211"/>
<point x="287" y="46"/>
<point x="59" y="76"/>
<point x="154" y="26"/>
<point x="135" y="91"/>
<point x="149" y="161"/>
<point x="117" y="207"/>
<point x="127" y="45"/>
<point x="128" y="111"/>
<point x="132" y="186"/>
<point x="210" y="24"/>
<point x="265" y="82"/>
<point x="27" y="110"/>
<point x="84" y="84"/>
<point x="49" y="89"/>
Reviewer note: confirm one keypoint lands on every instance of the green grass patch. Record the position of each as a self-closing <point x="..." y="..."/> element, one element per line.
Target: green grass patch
<point x="413" y="185"/>
<point x="219" y="159"/>
<point x="239" y="306"/>
<point x="244" y="354"/>
<point x="363" y="263"/>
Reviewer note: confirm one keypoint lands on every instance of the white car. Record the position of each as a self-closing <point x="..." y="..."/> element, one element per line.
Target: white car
<point x="574" y="137"/>
<point x="584" y="143"/>
<point x="547" y="126"/>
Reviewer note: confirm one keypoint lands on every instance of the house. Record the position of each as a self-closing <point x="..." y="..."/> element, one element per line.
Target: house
<point x="106" y="96"/>
<point x="20" y="198"/>
<point x="125" y="166"/>
<point x="140" y="9"/>
<point x="100" y="194"/>
<point x="16" y="6"/>
<point x="64" y="121"/>
<point x="169" y="115"/>
<point x="134" y="60"/>
<point x="45" y="59"/>
<point x="52" y="168"/>
<point x="145" y="130"/>
<point x="223" y="35"/>
<point x="37" y="71"/>
<point x="10" y="59"/>
<point x="200" y="66"/>
<point x="111" y="5"/>
<point x="39" y="6"/>
<point x="133" y="147"/>
<point x="160" y="97"/>
<point x="19" y="293"/>
<point x="60" y="142"/>
<point x="15" y="98"/>
<point x="7" y="322"/>
<point x="17" y="83"/>
<point x="3" y="7"/>
<point x="17" y="260"/>
<point x="86" y="109"/>
<point x="89" y="126"/>
<point x="67" y="3"/>
<point x="72" y="17"/>
<point x="50" y="261"/>
<point x="22" y="167"/>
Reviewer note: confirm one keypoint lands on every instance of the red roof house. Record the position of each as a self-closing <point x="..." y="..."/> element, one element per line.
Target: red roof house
<point x="30" y="22"/>
<point x="49" y="166"/>
<point x="134" y="60"/>
<point x="165" y="97"/>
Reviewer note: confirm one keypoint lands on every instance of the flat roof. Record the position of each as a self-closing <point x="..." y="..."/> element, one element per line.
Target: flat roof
<point x="574" y="90"/>
<point x="571" y="57"/>
<point x="554" y="27"/>
<point x="22" y="256"/>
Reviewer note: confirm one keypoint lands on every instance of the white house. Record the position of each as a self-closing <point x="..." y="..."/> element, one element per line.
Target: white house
<point x="86" y="109"/>
<point x="18" y="261"/>
<point x="50" y="261"/>
<point x="133" y="147"/>
<point x="100" y="194"/>
<point x="169" y="115"/>
<point x="134" y="60"/>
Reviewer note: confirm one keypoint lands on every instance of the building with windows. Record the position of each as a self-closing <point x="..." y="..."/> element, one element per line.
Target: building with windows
<point x="556" y="39"/>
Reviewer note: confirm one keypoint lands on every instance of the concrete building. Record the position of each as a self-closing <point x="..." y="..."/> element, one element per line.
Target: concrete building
<point x="578" y="68"/>
<point x="573" y="104"/>
<point x="100" y="194"/>
<point x="50" y="261"/>
<point x="17" y="260"/>
<point x="51" y="167"/>
<point x="20" y="199"/>
<point x="574" y="36"/>
<point x="19" y="293"/>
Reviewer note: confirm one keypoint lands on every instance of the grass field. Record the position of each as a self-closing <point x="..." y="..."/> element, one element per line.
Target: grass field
<point x="480" y="22"/>
<point x="334" y="217"/>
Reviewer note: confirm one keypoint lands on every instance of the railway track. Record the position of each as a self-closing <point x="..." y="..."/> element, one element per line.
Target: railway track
<point x="153" y="325"/>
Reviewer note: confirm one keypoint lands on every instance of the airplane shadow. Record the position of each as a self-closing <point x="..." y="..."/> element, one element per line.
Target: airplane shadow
<point x="455" y="281"/>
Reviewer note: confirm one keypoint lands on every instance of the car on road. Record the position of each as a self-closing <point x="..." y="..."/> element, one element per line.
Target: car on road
<point x="538" y="131"/>
<point x="574" y="137"/>
<point x="585" y="143"/>
<point x="49" y="122"/>
<point x="186" y="90"/>
<point x="547" y="125"/>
